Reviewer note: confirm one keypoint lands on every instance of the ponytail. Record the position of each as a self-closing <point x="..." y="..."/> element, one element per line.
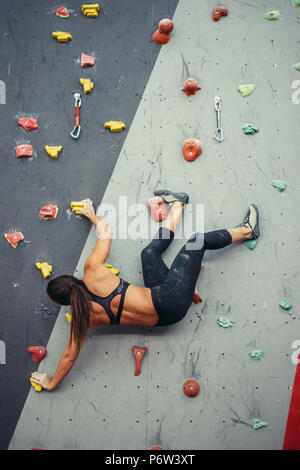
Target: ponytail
<point x="80" y="308"/>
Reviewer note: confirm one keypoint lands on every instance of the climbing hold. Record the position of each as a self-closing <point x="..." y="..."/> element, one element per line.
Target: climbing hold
<point x="91" y="10"/>
<point x="61" y="36"/>
<point x="166" y="25"/>
<point x="87" y="60"/>
<point x="246" y="89"/>
<point x="196" y="298"/>
<point x="29" y="124"/>
<point x="45" y="268"/>
<point x="160" y="38"/>
<point x="69" y="317"/>
<point x="114" y="126"/>
<point x="156" y="448"/>
<point x="296" y="3"/>
<point x="158" y="208"/>
<point x="285" y="304"/>
<point x="62" y="12"/>
<point x="191" y="86"/>
<point x="48" y="212"/>
<point x="14" y="238"/>
<point x="257" y="424"/>
<point x="297" y="66"/>
<point x="272" y="15"/>
<point x="191" y="149"/>
<point x="54" y="150"/>
<point x="138" y="353"/>
<point x="37" y="352"/>
<point x="250" y="128"/>
<point x="113" y="270"/>
<point x="279" y="184"/>
<point x="87" y="84"/>
<point x="257" y="355"/>
<point x="77" y="206"/>
<point x="37" y="387"/>
<point x="24" y="150"/>
<point x="191" y="388"/>
<point x="218" y="12"/>
<point x="225" y="322"/>
<point x="251" y="244"/>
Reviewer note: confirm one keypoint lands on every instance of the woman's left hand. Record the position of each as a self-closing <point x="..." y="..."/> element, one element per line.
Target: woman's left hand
<point x="44" y="380"/>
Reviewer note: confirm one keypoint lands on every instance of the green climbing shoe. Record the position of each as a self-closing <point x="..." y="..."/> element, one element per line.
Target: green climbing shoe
<point x="170" y="197"/>
<point x="252" y="221"/>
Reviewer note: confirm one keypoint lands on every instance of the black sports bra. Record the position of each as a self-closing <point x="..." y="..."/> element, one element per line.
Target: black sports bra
<point x="106" y="301"/>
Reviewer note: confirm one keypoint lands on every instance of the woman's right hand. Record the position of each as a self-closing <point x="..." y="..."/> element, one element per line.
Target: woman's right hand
<point x="88" y="209"/>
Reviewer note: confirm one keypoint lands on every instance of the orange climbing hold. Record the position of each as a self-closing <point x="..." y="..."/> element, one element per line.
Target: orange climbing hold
<point x="48" y="212"/>
<point x="191" y="86"/>
<point x="29" y="124"/>
<point x="218" y="12"/>
<point x="24" y="150"/>
<point x="14" y="238"/>
<point x="162" y="34"/>
<point x="191" y="149"/>
<point x="166" y="25"/>
<point x="37" y="352"/>
<point x="191" y="388"/>
<point x="87" y="60"/>
<point x="62" y="12"/>
<point x="138" y="353"/>
<point x="158" y="208"/>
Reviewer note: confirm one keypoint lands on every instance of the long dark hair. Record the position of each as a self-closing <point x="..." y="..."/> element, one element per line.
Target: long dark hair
<point x="68" y="290"/>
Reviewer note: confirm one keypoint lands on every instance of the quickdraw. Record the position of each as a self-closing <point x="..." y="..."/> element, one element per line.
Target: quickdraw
<point x="77" y="128"/>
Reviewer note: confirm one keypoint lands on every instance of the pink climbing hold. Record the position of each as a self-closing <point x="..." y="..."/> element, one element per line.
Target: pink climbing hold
<point x="191" y="149"/>
<point x="191" y="86"/>
<point x="24" y="150"/>
<point x="29" y="124"/>
<point x="87" y="60"/>
<point x="158" y="208"/>
<point x="37" y="352"/>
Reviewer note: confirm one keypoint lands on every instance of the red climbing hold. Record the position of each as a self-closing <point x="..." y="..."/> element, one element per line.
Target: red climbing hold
<point x="37" y="352"/>
<point x="62" y="11"/>
<point x="29" y="124"/>
<point x="48" y="212"/>
<point x="14" y="238"/>
<point x="158" y="208"/>
<point x="191" y="388"/>
<point x="191" y="149"/>
<point x="196" y="298"/>
<point x="24" y="150"/>
<point x="160" y="38"/>
<point x="156" y="448"/>
<point x="166" y="25"/>
<point x="191" y="86"/>
<point x="87" y="60"/>
<point x="139" y="353"/>
<point x="218" y="12"/>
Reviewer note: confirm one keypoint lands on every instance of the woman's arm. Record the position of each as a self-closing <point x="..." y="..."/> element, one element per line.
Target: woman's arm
<point x="104" y="235"/>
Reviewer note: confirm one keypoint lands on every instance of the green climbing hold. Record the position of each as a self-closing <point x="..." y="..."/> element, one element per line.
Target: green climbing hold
<point x="272" y="15"/>
<point x="285" y="304"/>
<point x="225" y="322"/>
<point x="257" y="354"/>
<point x="296" y="3"/>
<point x="246" y="89"/>
<point x="251" y="244"/>
<point x="279" y="184"/>
<point x="297" y="66"/>
<point x="250" y="128"/>
<point x="258" y="423"/>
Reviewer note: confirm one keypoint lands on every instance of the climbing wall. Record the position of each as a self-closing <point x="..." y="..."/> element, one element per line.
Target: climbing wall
<point x="101" y="404"/>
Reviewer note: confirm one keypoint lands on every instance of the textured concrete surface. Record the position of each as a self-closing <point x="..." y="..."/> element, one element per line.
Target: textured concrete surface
<point x="101" y="405"/>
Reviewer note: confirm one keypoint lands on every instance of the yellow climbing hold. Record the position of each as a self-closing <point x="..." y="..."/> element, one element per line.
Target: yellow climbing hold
<point x="114" y="126"/>
<point x="69" y="317"/>
<point x="45" y="268"/>
<point x="113" y="270"/>
<point x="77" y="206"/>
<point x="61" y="36"/>
<point x="91" y="10"/>
<point x="87" y="84"/>
<point x="37" y="388"/>
<point x="53" y="150"/>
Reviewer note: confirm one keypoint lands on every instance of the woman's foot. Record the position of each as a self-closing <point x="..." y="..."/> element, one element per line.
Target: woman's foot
<point x="251" y="222"/>
<point x="170" y="197"/>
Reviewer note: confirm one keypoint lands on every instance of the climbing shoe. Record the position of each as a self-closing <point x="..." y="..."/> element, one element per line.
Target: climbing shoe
<point x="252" y="221"/>
<point x="170" y="197"/>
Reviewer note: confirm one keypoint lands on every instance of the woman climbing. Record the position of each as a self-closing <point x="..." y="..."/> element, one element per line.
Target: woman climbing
<point x="102" y="298"/>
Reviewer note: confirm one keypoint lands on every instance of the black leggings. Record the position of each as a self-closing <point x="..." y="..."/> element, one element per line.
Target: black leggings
<point x="172" y="289"/>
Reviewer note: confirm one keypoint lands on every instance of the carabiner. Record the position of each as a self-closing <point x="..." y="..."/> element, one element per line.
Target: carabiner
<point x="219" y="132"/>
<point x="77" y="128"/>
